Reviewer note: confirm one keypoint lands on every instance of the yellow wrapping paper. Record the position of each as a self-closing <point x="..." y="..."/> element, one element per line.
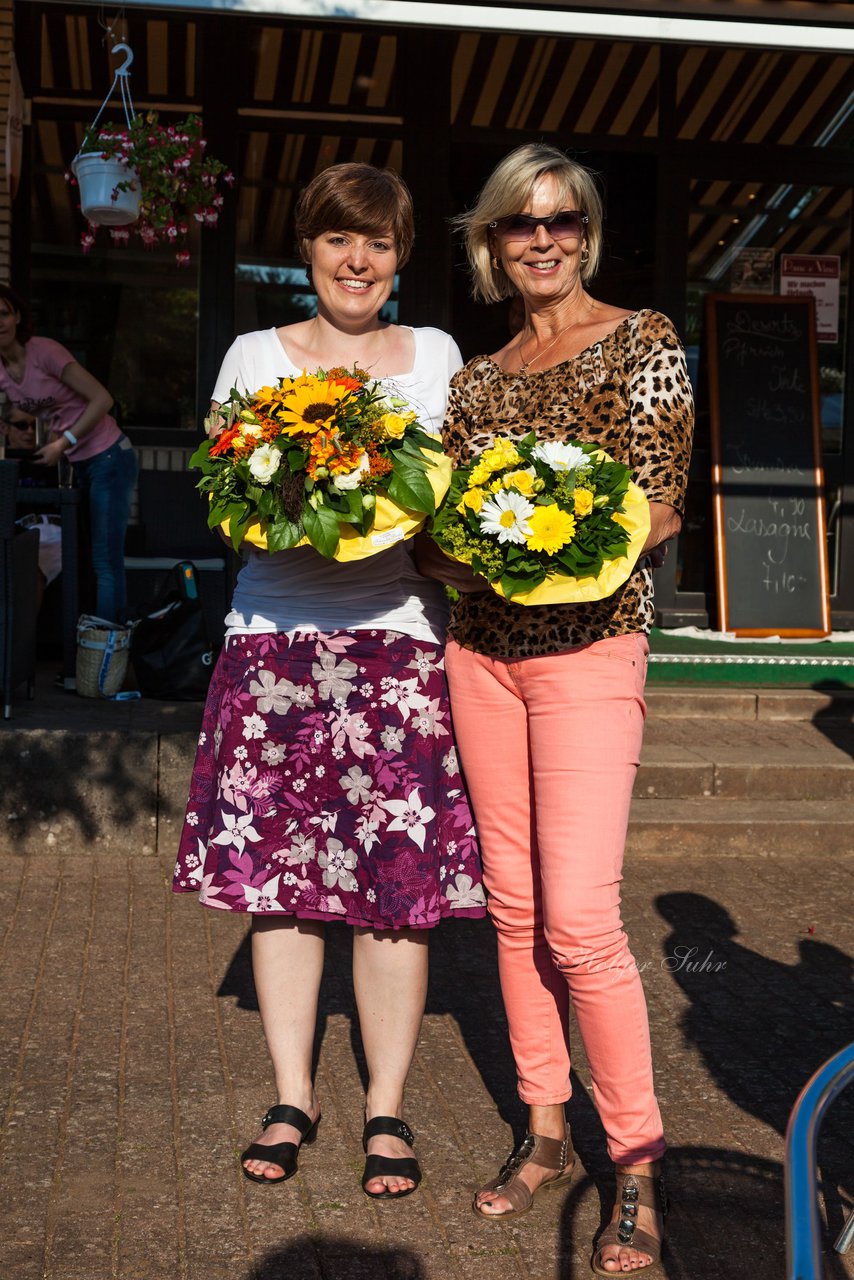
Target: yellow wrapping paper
<point x="391" y="522"/>
<point x="559" y="588"/>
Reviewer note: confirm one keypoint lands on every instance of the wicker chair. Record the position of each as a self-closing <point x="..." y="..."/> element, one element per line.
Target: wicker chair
<point x="19" y="567"/>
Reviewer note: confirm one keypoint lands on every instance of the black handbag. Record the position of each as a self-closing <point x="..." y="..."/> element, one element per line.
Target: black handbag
<point x="171" y="650"/>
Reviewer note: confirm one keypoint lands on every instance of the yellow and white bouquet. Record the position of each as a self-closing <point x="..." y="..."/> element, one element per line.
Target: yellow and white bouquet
<point x="551" y="522"/>
<point x="334" y="460"/>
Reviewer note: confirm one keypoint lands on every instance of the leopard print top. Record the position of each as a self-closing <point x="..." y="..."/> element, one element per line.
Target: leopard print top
<point x="628" y="393"/>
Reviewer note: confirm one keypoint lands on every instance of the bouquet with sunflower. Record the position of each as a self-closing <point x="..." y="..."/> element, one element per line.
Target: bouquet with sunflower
<point x="552" y="523"/>
<point x="331" y="459"/>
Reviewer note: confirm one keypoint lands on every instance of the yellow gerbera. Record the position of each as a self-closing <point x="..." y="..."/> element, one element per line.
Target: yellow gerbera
<point x="583" y="502"/>
<point x="311" y="406"/>
<point x="472" y="500"/>
<point x="551" y="529"/>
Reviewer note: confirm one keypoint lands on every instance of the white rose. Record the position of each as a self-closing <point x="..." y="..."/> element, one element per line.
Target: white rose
<point x="264" y="463"/>
<point x="354" y="478"/>
<point x="251" y="430"/>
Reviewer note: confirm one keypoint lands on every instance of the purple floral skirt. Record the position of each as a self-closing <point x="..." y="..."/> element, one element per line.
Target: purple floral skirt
<point x="326" y="784"/>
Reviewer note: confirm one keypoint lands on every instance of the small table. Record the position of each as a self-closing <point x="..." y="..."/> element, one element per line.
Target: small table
<point x="68" y="502"/>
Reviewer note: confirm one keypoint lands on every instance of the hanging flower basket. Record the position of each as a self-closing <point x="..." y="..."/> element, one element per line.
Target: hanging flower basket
<point x="110" y="192"/>
<point x="156" y="178"/>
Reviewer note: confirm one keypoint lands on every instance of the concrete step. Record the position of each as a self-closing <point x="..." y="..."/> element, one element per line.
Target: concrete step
<point x="732" y="703"/>
<point x="743" y="759"/>
<point x="722" y="827"/>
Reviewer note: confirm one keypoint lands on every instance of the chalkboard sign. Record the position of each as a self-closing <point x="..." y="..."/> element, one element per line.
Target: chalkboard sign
<point x="767" y="481"/>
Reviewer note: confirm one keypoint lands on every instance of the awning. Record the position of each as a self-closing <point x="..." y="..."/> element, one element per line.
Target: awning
<point x="769" y="24"/>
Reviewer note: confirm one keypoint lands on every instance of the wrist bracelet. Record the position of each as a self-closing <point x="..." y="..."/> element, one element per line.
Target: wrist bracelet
<point x="70" y="437"/>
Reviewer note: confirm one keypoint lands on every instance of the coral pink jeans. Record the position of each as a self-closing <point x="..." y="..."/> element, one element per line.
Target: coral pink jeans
<point x="550" y="747"/>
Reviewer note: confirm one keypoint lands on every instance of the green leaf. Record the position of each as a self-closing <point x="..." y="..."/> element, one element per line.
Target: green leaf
<point x="322" y="529"/>
<point x="201" y="454"/>
<point x="411" y="489"/>
<point x="282" y="535"/>
<point x="517" y="584"/>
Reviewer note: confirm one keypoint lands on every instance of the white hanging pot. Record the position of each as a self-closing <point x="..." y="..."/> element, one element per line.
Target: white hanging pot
<point x="100" y="200"/>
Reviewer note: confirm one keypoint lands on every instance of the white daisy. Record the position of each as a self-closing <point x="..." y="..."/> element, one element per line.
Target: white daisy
<point x="506" y="516"/>
<point x="559" y="456"/>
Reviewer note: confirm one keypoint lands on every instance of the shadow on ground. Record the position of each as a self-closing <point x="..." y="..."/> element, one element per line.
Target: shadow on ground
<point x="762" y="1027"/>
<point x="316" y="1257"/>
<point x="836" y="721"/>
<point x="91" y="785"/>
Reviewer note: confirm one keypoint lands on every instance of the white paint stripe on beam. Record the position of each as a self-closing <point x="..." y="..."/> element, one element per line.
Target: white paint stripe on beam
<point x="549" y="22"/>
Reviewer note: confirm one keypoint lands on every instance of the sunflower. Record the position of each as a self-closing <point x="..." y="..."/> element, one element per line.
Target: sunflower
<point x="310" y="407"/>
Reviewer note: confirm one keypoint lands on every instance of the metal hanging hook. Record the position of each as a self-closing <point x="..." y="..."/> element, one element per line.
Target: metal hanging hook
<point x="124" y="69"/>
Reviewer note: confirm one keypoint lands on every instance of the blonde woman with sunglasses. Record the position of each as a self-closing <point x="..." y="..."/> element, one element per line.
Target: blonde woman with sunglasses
<point x="548" y="700"/>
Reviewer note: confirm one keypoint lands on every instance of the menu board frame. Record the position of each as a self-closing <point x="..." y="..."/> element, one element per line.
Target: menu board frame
<point x="784" y="593"/>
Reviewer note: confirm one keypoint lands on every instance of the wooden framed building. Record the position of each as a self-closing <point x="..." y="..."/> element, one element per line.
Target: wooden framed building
<point x="719" y="128"/>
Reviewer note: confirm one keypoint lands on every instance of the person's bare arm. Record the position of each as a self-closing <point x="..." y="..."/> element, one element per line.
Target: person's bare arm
<point x="98" y="402"/>
<point x="432" y="562"/>
<point x="665" y="523"/>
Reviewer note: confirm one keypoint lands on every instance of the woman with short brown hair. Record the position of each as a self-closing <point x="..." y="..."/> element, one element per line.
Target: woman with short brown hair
<point x="326" y="785"/>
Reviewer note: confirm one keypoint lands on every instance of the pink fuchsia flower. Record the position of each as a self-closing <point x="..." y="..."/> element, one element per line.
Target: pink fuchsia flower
<point x="182" y="258"/>
<point x="119" y="235"/>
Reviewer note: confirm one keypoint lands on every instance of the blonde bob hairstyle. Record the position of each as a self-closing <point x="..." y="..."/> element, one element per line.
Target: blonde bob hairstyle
<point x="356" y="197"/>
<point x="507" y="191"/>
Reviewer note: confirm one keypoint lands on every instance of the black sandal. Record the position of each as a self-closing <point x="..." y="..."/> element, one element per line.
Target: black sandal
<point x="283" y="1154"/>
<point x="389" y="1166"/>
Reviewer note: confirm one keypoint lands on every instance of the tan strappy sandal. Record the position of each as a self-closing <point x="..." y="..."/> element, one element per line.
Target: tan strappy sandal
<point x="633" y="1191"/>
<point x="548" y="1153"/>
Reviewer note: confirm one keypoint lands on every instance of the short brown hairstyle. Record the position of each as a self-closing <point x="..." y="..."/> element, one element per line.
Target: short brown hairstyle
<point x="24" y="331"/>
<point x="356" y="197"/>
<point x="506" y="192"/>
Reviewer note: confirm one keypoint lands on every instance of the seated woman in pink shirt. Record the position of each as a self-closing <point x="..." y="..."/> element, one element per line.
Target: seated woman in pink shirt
<point x="40" y="377"/>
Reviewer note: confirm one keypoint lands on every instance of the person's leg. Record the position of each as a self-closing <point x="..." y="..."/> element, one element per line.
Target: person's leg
<point x="586" y="715"/>
<point x="390" y="983"/>
<point x="287" y="963"/>
<point x="111" y="479"/>
<point x="491" y="730"/>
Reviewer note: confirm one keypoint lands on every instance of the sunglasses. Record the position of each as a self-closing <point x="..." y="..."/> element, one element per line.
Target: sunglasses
<point x="566" y="225"/>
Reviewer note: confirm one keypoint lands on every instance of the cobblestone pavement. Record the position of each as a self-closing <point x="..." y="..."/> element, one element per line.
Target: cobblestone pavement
<point x="134" y="1069"/>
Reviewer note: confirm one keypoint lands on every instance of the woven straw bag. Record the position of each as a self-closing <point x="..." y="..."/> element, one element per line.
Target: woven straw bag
<point x="102" y="657"/>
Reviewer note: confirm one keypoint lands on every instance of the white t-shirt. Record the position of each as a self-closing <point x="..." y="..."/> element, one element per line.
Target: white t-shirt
<point x="300" y="590"/>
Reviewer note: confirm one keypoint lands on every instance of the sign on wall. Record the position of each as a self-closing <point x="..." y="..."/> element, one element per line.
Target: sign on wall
<point x="816" y="276"/>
